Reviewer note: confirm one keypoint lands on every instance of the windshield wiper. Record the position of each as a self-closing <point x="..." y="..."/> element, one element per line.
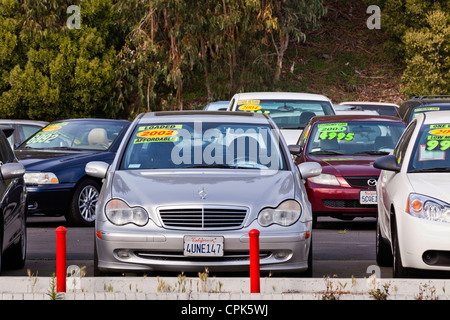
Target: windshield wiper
<point x="376" y="152"/>
<point x="326" y="152"/>
<point x="438" y="169"/>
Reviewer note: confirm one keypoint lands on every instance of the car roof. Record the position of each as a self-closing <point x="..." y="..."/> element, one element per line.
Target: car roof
<point x="202" y="115"/>
<point x="369" y="103"/>
<point x="430" y="100"/>
<point x="23" y="121"/>
<point x="282" y="95"/>
<point x="436" y="117"/>
<point x="355" y="117"/>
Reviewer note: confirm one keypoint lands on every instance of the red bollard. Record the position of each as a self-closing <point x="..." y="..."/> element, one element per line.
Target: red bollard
<point x="254" y="261"/>
<point x="61" y="259"/>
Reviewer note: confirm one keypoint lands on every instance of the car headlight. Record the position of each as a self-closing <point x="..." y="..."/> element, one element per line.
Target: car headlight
<point x="428" y="208"/>
<point x="286" y="214"/>
<point x="120" y="213"/>
<point x="325" y="178"/>
<point x="36" y="178"/>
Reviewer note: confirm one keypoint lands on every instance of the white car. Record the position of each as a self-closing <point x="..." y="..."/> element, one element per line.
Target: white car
<point x="289" y="110"/>
<point x="413" y="225"/>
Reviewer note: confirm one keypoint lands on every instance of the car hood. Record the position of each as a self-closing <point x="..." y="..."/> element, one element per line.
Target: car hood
<point x="433" y="184"/>
<point x="37" y="160"/>
<point x="348" y="165"/>
<point x="225" y="187"/>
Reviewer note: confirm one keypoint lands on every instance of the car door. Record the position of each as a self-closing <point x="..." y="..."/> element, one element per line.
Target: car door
<point x="392" y="182"/>
<point x="12" y="197"/>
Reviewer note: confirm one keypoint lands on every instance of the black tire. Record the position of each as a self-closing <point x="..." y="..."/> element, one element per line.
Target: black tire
<point x="383" y="249"/>
<point x="82" y="209"/>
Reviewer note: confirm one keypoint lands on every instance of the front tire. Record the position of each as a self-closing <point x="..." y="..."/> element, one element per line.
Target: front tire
<point x="398" y="270"/>
<point x="82" y="209"/>
<point x="383" y="249"/>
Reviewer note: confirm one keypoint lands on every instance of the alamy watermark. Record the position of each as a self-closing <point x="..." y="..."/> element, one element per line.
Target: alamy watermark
<point x="74" y="20"/>
<point x="374" y="21"/>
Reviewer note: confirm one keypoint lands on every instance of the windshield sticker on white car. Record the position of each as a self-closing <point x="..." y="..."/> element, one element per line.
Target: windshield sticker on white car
<point x="253" y="101"/>
<point x="426" y="155"/>
<point x="250" y="107"/>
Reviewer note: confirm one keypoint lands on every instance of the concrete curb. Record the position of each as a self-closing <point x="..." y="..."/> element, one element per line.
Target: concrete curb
<point x="177" y="288"/>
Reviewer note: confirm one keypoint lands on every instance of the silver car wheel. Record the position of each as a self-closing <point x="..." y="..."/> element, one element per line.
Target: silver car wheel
<point x="87" y="201"/>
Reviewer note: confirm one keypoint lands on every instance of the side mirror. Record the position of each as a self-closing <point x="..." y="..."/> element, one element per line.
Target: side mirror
<point x="309" y="169"/>
<point x="387" y="163"/>
<point x="97" y="169"/>
<point x="12" y="170"/>
<point x="295" y="149"/>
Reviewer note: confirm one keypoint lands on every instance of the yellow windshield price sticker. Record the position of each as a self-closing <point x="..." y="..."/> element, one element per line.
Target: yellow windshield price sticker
<point x="250" y="107"/>
<point x="160" y="127"/>
<point x="159" y="135"/>
<point x="248" y="101"/>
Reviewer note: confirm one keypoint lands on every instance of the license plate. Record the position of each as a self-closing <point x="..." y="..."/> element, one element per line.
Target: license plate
<point x="367" y="197"/>
<point x="203" y="246"/>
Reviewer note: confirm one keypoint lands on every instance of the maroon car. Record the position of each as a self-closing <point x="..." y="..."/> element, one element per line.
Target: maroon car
<point x="346" y="147"/>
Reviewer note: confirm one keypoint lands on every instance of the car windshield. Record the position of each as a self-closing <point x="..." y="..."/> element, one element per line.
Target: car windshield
<point x="353" y="137"/>
<point x="431" y="151"/>
<point x="420" y="110"/>
<point x="92" y="135"/>
<point x="288" y="114"/>
<point x="203" y="145"/>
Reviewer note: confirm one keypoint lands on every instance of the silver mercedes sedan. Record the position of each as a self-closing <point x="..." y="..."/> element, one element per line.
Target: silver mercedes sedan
<point x="186" y="188"/>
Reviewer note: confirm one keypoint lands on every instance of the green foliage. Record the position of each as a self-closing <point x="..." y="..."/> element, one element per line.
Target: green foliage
<point x="131" y="56"/>
<point x="428" y="56"/>
<point x="226" y="45"/>
<point x="51" y="72"/>
<point x="420" y="33"/>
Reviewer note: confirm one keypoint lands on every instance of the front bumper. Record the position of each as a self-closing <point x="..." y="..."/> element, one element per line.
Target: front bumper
<point x="49" y="199"/>
<point x="423" y="244"/>
<point x="338" y="201"/>
<point x="140" y="250"/>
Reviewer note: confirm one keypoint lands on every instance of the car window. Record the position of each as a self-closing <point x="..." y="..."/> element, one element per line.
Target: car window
<point x="432" y="149"/>
<point x="189" y="145"/>
<point x="402" y="146"/>
<point x="26" y="131"/>
<point x="93" y="135"/>
<point x="304" y="136"/>
<point x="354" y="137"/>
<point x="287" y="114"/>
<point x="6" y="154"/>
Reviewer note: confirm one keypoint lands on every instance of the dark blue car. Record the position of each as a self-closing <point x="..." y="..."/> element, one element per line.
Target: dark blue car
<point x="55" y="159"/>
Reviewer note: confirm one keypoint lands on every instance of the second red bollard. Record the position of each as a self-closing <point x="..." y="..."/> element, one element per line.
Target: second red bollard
<point x="254" y="261"/>
<point x="61" y="259"/>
